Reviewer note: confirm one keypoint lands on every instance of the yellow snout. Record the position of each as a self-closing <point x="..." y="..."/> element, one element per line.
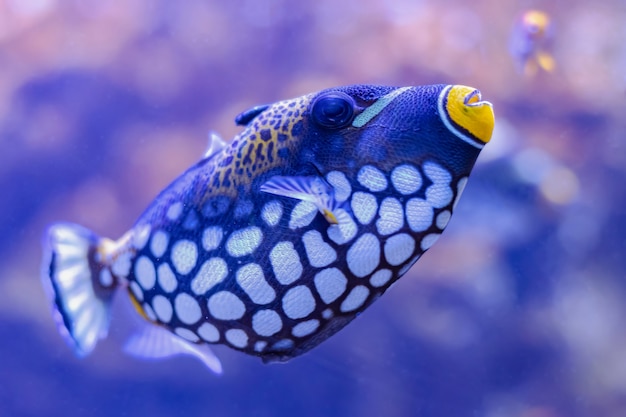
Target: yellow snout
<point x="466" y="109"/>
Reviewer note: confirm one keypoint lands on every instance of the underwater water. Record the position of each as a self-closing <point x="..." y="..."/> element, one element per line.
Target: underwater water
<point x="517" y="311"/>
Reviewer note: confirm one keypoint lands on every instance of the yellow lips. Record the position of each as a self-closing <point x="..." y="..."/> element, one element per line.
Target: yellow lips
<point x="465" y="108"/>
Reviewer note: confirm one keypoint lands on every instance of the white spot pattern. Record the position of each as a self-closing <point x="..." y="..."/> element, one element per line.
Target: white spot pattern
<point x="330" y="284"/>
<point x="121" y="265"/>
<point x="305" y="328"/>
<point x="186" y="334"/>
<point x="212" y="237"/>
<point x="106" y="279"/>
<point x="327" y="314"/>
<point x="158" y="243"/>
<point x="429" y="240"/>
<point x="341" y="185"/>
<point x="439" y="194"/>
<point x="399" y="248"/>
<point x="224" y="305"/>
<point x="266" y="323"/>
<point x="406" y="179"/>
<point x="419" y="214"/>
<point x="187" y="308"/>
<point x="251" y="279"/>
<point x="140" y="236"/>
<point x="166" y="277"/>
<point x="285" y="263"/>
<point x="355" y="298"/>
<point x="443" y="218"/>
<point x="149" y="312"/>
<point x="163" y="308"/>
<point x="372" y="178"/>
<point x="184" y="256"/>
<point x="345" y="230"/>
<point x="174" y="211"/>
<point x="272" y="212"/>
<point x="391" y="216"/>
<point x="209" y="332"/>
<point x="237" y="338"/>
<point x="211" y="273"/>
<point x="136" y="289"/>
<point x="260" y="345"/>
<point x="145" y="273"/>
<point x="244" y="241"/>
<point x="302" y="214"/>
<point x="380" y="278"/>
<point x="298" y="302"/>
<point x="364" y="255"/>
<point x="364" y="207"/>
<point x="319" y="252"/>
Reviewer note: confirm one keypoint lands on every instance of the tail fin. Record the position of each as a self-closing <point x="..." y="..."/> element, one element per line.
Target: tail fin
<point x="79" y="283"/>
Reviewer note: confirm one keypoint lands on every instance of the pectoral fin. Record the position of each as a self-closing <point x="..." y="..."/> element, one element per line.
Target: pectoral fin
<point x="313" y="189"/>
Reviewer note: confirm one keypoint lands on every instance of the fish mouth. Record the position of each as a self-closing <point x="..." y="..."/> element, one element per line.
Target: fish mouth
<point x="466" y="114"/>
<point x="474" y="99"/>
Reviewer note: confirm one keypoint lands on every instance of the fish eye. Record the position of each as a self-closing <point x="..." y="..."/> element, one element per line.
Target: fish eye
<point x="333" y="110"/>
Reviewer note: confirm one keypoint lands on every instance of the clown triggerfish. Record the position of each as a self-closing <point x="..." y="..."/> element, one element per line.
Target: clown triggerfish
<point x="276" y="240"/>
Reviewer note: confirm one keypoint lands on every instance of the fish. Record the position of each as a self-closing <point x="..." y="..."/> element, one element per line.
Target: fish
<point x="275" y="240"/>
<point x="530" y="43"/>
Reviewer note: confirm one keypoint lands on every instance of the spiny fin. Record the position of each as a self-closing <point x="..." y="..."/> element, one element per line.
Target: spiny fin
<point x="313" y="189"/>
<point x="79" y="284"/>
<point x="244" y="118"/>
<point x="216" y="144"/>
<point x="155" y="342"/>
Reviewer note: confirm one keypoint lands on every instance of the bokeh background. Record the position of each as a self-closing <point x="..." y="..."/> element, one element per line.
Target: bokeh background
<point x="519" y="309"/>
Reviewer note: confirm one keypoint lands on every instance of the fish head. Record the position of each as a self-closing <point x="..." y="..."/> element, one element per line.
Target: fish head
<point x="348" y="127"/>
<point x="345" y="128"/>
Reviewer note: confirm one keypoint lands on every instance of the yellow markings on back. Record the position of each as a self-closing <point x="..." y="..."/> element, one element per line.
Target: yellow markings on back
<point x="253" y="155"/>
<point x="465" y="108"/>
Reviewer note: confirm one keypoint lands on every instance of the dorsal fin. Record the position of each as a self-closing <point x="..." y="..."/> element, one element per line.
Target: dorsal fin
<point x="216" y="144"/>
<point x="244" y="118"/>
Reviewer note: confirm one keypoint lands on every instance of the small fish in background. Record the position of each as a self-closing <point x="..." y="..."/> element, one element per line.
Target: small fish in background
<point x="276" y="240"/>
<point x="531" y="41"/>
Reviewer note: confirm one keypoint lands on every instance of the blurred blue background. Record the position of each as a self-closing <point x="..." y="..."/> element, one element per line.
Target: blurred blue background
<point x="519" y="309"/>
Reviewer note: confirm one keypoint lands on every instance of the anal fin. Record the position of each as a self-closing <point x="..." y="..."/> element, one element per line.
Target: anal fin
<point x="155" y="342"/>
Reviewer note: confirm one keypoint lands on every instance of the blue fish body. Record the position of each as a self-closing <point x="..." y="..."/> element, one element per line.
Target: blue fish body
<point x="276" y="240"/>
